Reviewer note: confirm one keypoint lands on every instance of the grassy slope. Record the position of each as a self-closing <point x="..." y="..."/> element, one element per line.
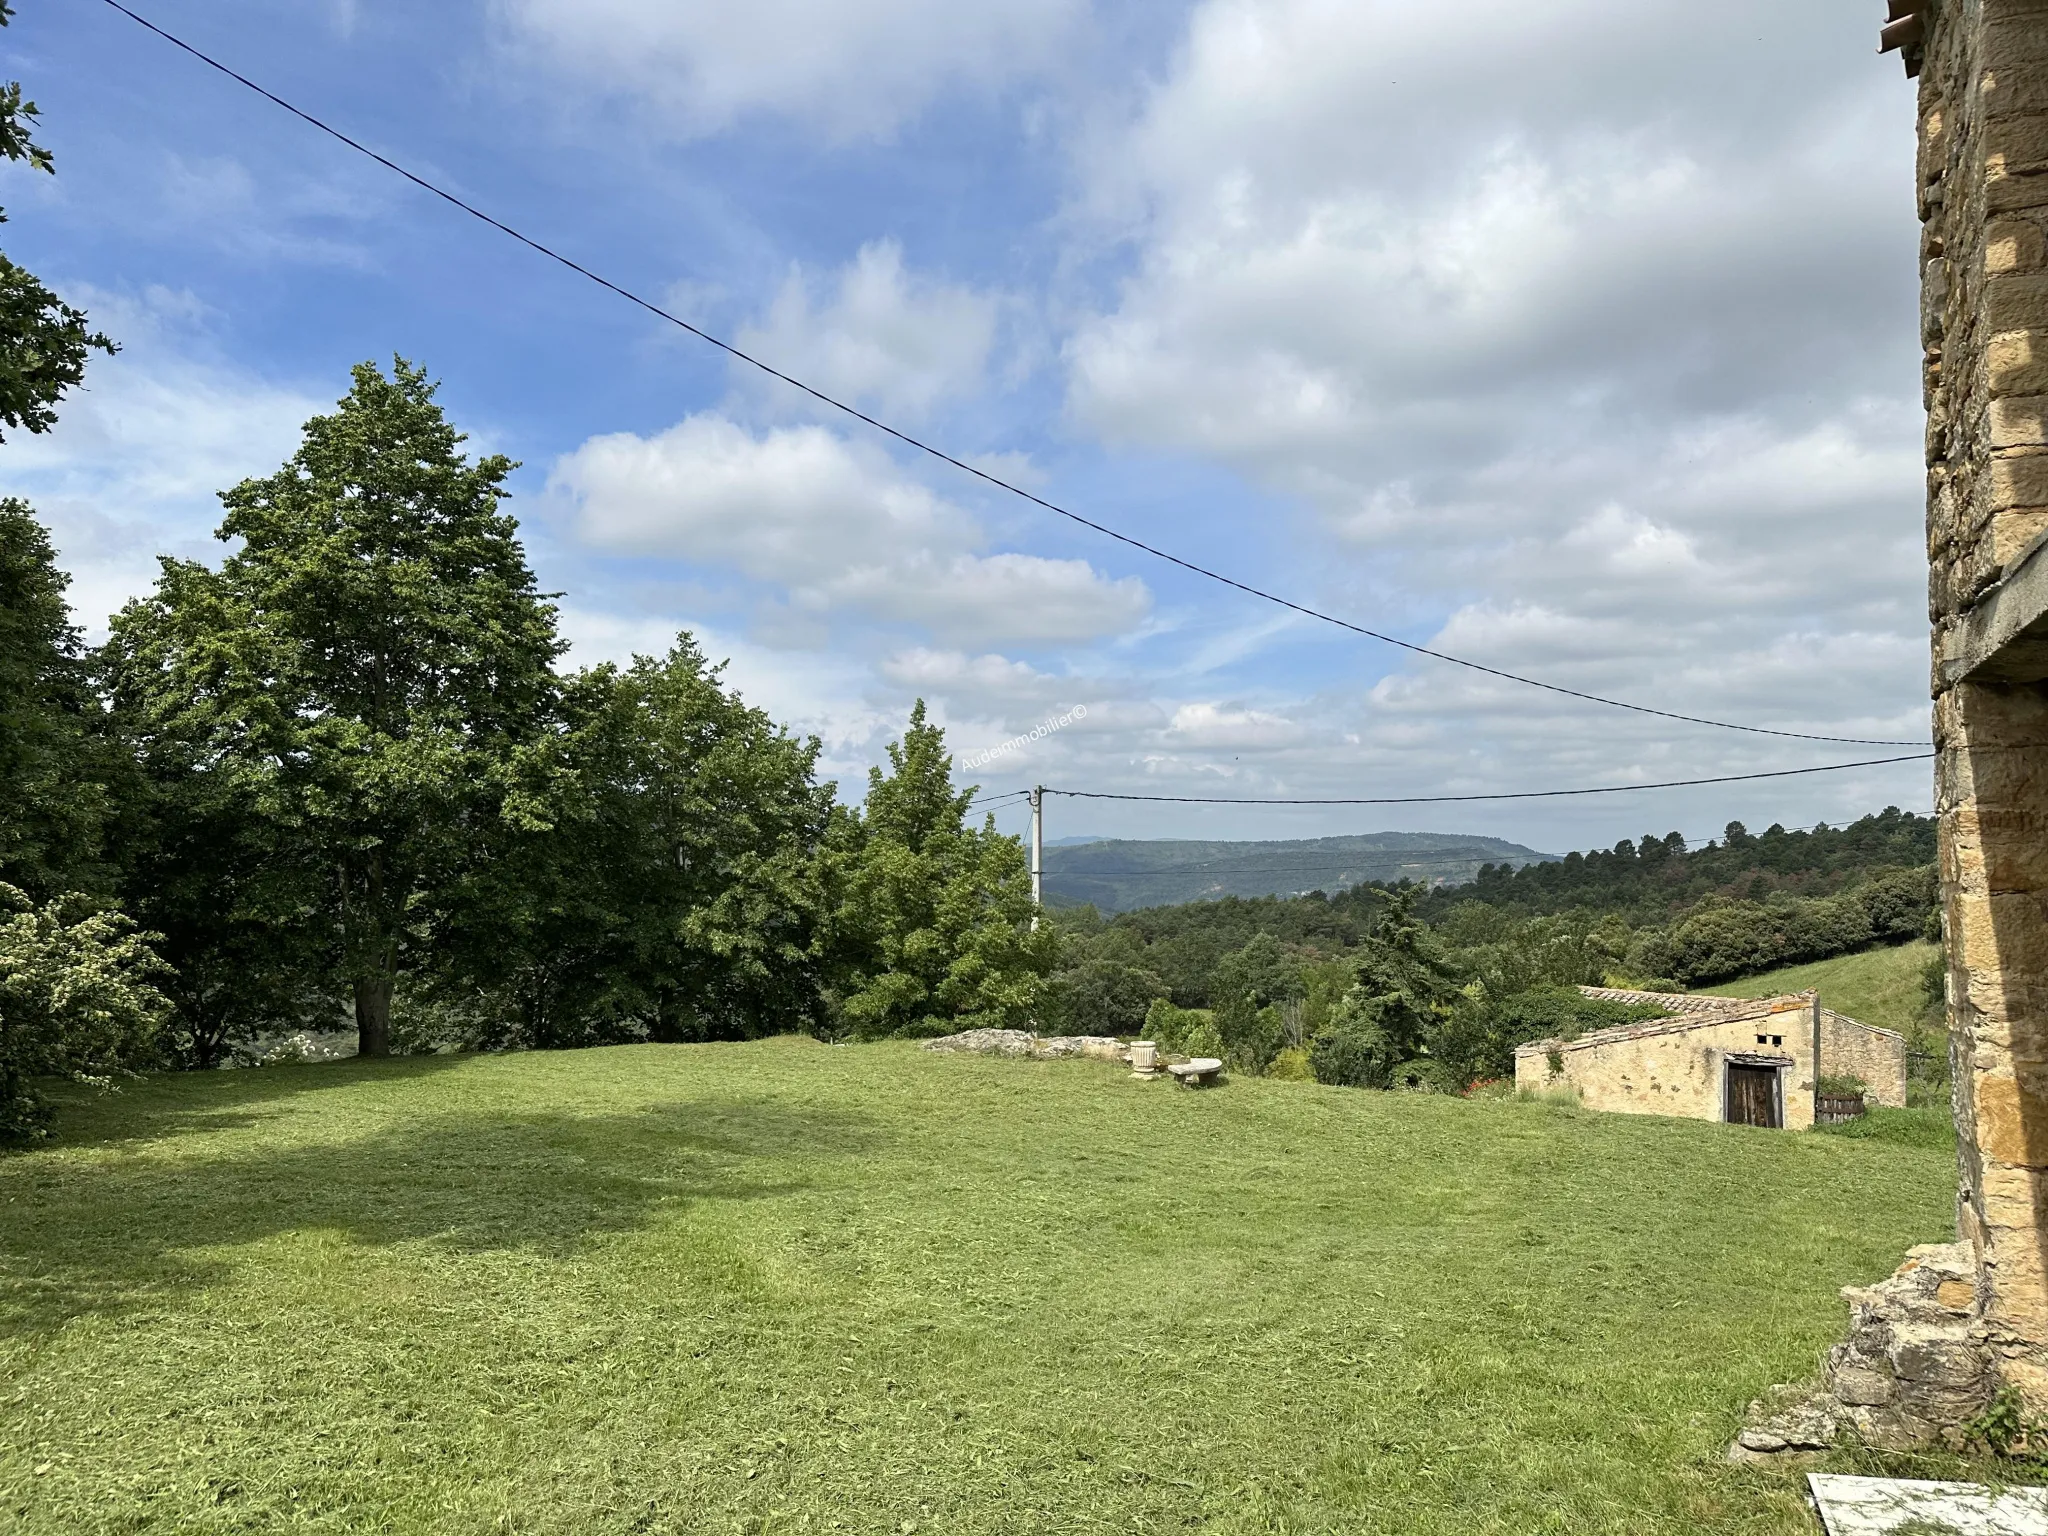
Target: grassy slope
<point x="1879" y="986"/>
<point x="787" y="1287"/>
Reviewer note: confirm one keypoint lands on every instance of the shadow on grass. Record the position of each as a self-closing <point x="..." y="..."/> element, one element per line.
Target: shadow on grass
<point x="79" y="1237"/>
<point x="164" y="1104"/>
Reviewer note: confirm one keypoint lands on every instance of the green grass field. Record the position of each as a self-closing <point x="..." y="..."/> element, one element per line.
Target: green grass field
<point x="1878" y="986"/>
<point x="790" y="1287"/>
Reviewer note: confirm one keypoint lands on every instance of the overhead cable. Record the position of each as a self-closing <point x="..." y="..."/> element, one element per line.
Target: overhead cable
<point x="1522" y="794"/>
<point x="946" y="458"/>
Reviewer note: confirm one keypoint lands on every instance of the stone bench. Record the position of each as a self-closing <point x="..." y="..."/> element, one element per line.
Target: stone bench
<point x="1199" y="1073"/>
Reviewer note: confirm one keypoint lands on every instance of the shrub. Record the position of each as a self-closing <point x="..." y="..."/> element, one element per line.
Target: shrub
<point x="1251" y="1036"/>
<point x="1169" y="1027"/>
<point x="76" y="1001"/>
<point x="1201" y="1038"/>
<point x="1292" y="1066"/>
<point x="1351" y="1056"/>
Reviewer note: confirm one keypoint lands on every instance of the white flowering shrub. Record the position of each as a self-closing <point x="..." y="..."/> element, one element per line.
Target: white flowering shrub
<point x="77" y="1001"/>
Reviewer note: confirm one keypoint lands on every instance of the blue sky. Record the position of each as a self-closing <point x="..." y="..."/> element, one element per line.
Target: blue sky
<point x="1577" y="340"/>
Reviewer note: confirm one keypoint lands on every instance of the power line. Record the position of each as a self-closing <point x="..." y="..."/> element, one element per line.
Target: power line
<point x="946" y="458"/>
<point x="1525" y="794"/>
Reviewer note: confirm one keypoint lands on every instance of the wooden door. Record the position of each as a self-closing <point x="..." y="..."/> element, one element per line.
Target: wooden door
<point x="1753" y="1096"/>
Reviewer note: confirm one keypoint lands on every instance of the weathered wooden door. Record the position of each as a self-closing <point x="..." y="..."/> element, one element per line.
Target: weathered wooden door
<point x="1753" y="1096"/>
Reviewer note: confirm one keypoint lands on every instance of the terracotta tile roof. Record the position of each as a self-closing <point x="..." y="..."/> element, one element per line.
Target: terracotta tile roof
<point x="1670" y="1002"/>
<point x="1689" y="1010"/>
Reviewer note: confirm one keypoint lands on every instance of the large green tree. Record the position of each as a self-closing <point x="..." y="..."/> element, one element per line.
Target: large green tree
<point x="52" y="758"/>
<point x="935" y="923"/>
<point x="676" y="893"/>
<point x="369" y="673"/>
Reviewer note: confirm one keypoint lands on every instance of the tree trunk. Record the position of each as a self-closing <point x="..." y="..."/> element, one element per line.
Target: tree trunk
<point x="373" y="1015"/>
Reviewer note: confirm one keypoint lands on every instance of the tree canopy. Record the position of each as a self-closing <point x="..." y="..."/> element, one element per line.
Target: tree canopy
<point x="370" y="671"/>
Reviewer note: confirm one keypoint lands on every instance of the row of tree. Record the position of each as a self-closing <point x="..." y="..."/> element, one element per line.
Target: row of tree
<point x="340" y="777"/>
<point x="1653" y="879"/>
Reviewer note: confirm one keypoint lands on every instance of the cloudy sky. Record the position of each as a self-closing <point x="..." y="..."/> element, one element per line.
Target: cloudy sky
<point x="1574" y="339"/>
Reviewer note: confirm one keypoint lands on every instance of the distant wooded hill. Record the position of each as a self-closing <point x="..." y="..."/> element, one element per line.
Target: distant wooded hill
<point x="1119" y="875"/>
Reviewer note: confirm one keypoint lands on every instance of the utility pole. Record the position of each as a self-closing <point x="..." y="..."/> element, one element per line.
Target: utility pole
<point x="1037" y="853"/>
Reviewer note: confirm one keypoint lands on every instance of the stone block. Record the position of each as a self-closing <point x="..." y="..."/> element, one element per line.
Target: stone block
<point x="2015" y="301"/>
<point x="1956" y="1295"/>
<point x="2015" y="245"/>
<point x="2018" y="421"/>
<point x="2012" y="40"/>
<point x="1885" y="1430"/>
<point x="2012" y="1198"/>
<point x="2015" y="191"/>
<point x="1935" y="1366"/>
<point x="2004" y="933"/>
<point x="1998" y="847"/>
<point x="2013" y="145"/>
<point x="2016" y="362"/>
<point x="2008" y="93"/>
<point x="2020" y="481"/>
<point x="2013" y="532"/>
<point x="1861" y="1387"/>
<point x="2029" y="1375"/>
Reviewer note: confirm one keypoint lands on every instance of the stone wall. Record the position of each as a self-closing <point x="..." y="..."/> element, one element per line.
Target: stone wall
<point x="1878" y="1056"/>
<point x="1910" y="1371"/>
<point x="1983" y="198"/>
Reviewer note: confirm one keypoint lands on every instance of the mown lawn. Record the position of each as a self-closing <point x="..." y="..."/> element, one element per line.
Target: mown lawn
<point x="792" y="1287"/>
<point x="1878" y="986"/>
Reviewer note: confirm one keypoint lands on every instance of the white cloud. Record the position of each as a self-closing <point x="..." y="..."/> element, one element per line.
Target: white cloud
<point x="1222" y="727"/>
<point x="834" y="523"/>
<point x="810" y="692"/>
<point x="1580" y="364"/>
<point x="1627" y="544"/>
<point x="883" y="336"/>
<point x="138" y="456"/>
<point x="854" y="70"/>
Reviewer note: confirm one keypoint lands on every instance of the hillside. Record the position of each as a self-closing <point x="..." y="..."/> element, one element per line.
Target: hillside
<point x="1650" y="880"/>
<point x="1122" y="874"/>
<point x="1886" y="986"/>
<point x="788" y="1287"/>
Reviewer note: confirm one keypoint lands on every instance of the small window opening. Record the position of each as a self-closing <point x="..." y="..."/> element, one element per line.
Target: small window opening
<point x="1763" y="1039"/>
<point x="1777" y="1039"/>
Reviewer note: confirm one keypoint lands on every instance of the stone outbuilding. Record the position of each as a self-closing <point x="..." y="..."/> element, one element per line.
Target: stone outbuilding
<point x="1746" y="1061"/>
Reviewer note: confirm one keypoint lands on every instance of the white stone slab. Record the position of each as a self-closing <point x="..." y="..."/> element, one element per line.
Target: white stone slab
<point x="1894" y="1506"/>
